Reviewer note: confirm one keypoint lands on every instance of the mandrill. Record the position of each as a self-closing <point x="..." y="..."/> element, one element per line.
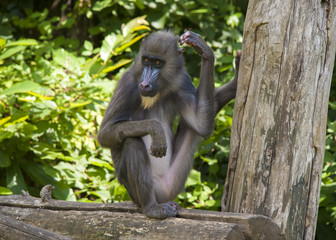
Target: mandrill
<point x="151" y="160"/>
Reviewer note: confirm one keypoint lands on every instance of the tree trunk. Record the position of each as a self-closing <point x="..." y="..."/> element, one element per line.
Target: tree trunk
<point x="278" y="130"/>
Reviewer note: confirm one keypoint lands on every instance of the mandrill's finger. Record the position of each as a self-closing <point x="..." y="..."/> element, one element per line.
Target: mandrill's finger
<point x="184" y="37"/>
<point x="239" y="53"/>
<point x="163" y="152"/>
<point x="158" y="153"/>
<point x="237" y="60"/>
<point x="189" y="37"/>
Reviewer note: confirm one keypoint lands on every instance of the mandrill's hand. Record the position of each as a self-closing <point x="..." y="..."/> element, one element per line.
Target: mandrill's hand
<point x="197" y="42"/>
<point x="158" y="147"/>
<point x="237" y="62"/>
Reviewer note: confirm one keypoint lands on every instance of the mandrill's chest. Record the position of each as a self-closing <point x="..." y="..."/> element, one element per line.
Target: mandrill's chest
<point x="161" y="109"/>
<point x="165" y="115"/>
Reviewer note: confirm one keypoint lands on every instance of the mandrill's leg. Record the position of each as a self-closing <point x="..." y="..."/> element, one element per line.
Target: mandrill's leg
<point x="135" y="174"/>
<point x="226" y="93"/>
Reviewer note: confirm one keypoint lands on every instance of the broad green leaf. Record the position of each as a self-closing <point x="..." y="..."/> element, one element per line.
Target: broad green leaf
<point x="106" y="86"/>
<point x="210" y="203"/>
<point x="103" y="194"/>
<point x="5" y="135"/>
<point x="140" y="4"/>
<point x="332" y="105"/>
<point x="28" y="129"/>
<point x="21" y="119"/>
<point x="23" y="42"/>
<point x="68" y="60"/>
<point x="5" y="191"/>
<point x="67" y="23"/>
<point x="100" y="163"/>
<point x="79" y="104"/>
<point x="201" y="11"/>
<point x="4" y="120"/>
<point x="15" y="180"/>
<point x="89" y="63"/>
<point x="86" y="53"/>
<point x="109" y="44"/>
<point x="57" y="155"/>
<point x="88" y="45"/>
<point x="160" y="22"/>
<point x="4" y="160"/>
<point x="233" y="20"/>
<point x="329" y="188"/>
<point x="2" y="43"/>
<point x="25" y="86"/>
<point x="119" y="64"/>
<point x="198" y="190"/>
<point x="129" y="43"/>
<point x="134" y="25"/>
<point x="142" y="27"/>
<point x="40" y="96"/>
<point x="11" y="51"/>
<point x="194" y="178"/>
<point x="100" y="5"/>
<point x="209" y="160"/>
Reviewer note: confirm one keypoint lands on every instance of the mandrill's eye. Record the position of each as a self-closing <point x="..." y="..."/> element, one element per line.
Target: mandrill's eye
<point x="157" y="62"/>
<point x="146" y="61"/>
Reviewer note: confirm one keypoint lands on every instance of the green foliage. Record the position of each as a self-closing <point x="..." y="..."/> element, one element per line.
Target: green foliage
<point x="326" y="228"/>
<point x="51" y="101"/>
<point x="57" y="85"/>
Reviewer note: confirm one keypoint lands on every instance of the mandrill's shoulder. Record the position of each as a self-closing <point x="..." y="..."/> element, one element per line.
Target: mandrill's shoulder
<point x="186" y="94"/>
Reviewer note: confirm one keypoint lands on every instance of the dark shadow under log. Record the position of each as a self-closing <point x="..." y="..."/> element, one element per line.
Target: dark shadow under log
<point x="77" y="220"/>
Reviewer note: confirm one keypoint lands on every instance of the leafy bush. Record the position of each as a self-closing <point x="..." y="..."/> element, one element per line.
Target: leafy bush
<point x="51" y="103"/>
<point x="57" y="86"/>
<point x="326" y="227"/>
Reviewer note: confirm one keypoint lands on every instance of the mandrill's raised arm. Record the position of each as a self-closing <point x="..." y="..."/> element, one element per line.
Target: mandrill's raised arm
<point x="199" y="114"/>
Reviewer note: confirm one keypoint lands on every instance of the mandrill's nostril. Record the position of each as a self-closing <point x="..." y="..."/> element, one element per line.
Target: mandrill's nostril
<point x="145" y="86"/>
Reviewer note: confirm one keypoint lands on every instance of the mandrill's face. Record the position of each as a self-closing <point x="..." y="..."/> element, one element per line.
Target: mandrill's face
<point x="152" y="66"/>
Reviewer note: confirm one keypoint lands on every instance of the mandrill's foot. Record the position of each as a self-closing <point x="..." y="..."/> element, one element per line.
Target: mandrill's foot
<point x="160" y="211"/>
<point x="197" y="42"/>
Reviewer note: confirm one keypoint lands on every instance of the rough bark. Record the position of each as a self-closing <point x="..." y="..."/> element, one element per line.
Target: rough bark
<point x="14" y="229"/>
<point x="122" y="221"/>
<point x="278" y="130"/>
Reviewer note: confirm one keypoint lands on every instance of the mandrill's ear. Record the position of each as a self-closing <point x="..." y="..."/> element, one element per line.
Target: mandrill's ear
<point x="180" y="51"/>
<point x="174" y="45"/>
<point x="144" y="39"/>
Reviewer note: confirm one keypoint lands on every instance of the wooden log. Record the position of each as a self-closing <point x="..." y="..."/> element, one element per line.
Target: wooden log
<point x="123" y="221"/>
<point x="13" y="229"/>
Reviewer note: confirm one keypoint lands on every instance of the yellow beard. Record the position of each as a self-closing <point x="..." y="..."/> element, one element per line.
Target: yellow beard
<point x="148" y="102"/>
